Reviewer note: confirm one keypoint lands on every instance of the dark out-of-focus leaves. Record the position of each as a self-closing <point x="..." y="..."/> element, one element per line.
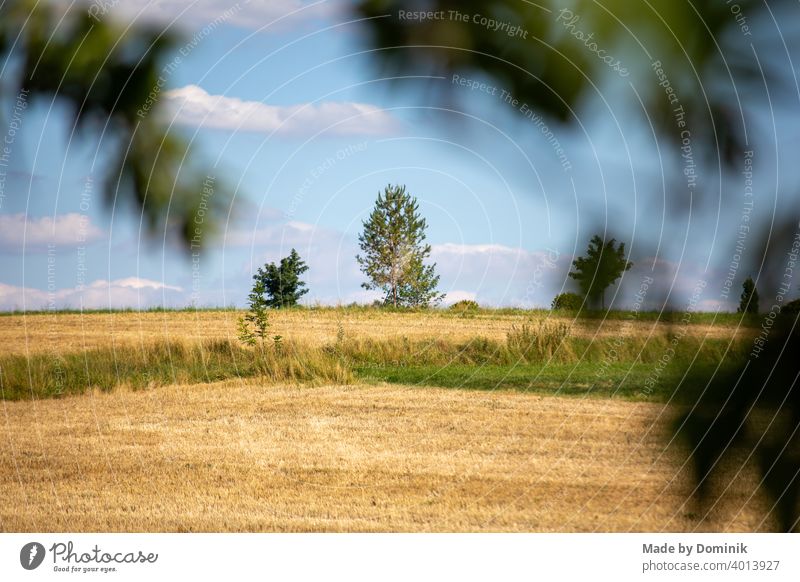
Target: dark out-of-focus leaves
<point x="110" y="76"/>
<point x="752" y="408"/>
<point x="548" y="67"/>
<point x="750" y="405"/>
<point x="752" y="401"/>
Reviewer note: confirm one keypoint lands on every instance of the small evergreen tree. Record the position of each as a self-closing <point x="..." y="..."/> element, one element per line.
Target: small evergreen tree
<point x="603" y="265"/>
<point x="748" y="301"/>
<point x="394" y="251"/>
<point x="282" y="282"/>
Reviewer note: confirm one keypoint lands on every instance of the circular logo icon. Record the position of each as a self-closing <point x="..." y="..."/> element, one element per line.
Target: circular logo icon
<point x="31" y="555"/>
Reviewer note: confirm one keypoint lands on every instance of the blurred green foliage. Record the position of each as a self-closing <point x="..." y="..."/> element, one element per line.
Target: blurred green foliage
<point x="552" y="55"/>
<point x="111" y="79"/>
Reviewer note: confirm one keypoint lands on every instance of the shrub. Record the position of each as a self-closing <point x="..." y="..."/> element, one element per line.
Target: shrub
<point x="567" y="302"/>
<point x="465" y="305"/>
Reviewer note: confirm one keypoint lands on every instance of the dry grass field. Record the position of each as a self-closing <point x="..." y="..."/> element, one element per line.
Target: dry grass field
<point x="279" y="448"/>
<point x="242" y="456"/>
<point x="25" y="334"/>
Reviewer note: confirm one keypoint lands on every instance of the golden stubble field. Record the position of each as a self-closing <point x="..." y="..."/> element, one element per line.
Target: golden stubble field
<point x="241" y="456"/>
<point x="59" y="332"/>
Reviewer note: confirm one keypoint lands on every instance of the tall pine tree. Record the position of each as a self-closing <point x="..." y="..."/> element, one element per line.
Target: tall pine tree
<point x="393" y="251"/>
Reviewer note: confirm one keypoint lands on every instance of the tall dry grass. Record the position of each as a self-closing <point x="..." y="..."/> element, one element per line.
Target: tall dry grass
<point x="531" y="343"/>
<point x="45" y="375"/>
<point x="157" y="362"/>
<point x="24" y="334"/>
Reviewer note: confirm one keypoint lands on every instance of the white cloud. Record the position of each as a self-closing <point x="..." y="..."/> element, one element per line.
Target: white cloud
<point x="362" y="296"/>
<point x="715" y="305"/>
<point x="484" y="249"/>
<point x="128" y="292"/>
<point x="333" y="275"/>
<point x="663" y="284"/>
<point x="302" y="226"/>
<point x="12" y="297"/>
<point x="19" y="231"/>
<point x="278" y="237"/>
<point x="497" y="274"/>
<point x="134" y="283"/>
<point x="502" y="275"/>
<point x="458" y="295"/>
<point x="192" y="105"/>
<point x="253" y="14"/>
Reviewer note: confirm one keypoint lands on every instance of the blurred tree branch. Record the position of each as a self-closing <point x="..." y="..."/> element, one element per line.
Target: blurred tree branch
<point x="553" y="54"/>
<point x="110" y="77"/>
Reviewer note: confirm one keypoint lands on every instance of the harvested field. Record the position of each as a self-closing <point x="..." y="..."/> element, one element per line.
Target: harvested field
<point x="59" y="332"/>
<point x="242" y="456"/>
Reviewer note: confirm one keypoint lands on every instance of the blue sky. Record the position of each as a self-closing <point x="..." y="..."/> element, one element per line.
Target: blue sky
<point x="282" y="103"/>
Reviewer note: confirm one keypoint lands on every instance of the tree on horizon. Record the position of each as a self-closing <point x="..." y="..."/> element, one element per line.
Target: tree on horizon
<point x="603" y="264"/>
<point x="393" y="251"/>
<point x="281" y="282"/>
<point x="748" y="301"/>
